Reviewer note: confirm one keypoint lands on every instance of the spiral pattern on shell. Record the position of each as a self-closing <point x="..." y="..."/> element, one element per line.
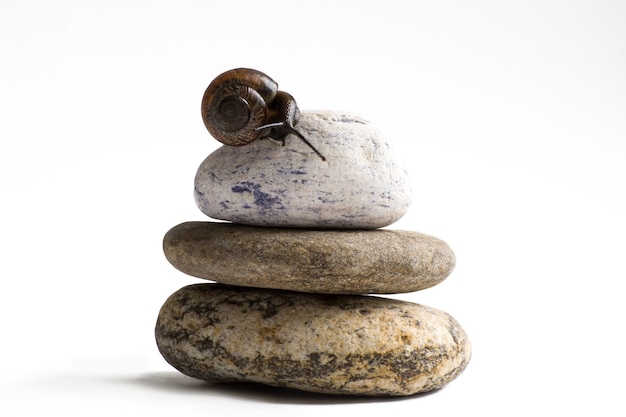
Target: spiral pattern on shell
<point x="235" y="104"/>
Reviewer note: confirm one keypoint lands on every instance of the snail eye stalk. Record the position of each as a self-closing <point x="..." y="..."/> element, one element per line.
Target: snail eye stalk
<point x="280" y="130"/>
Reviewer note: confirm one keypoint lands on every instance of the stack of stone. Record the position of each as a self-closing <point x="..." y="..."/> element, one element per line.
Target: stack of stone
<point x="293" y="266"/>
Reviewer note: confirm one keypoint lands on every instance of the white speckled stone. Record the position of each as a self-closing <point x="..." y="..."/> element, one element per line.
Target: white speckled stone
<point x="362" y="183"/>
<point x="359" y="345"/>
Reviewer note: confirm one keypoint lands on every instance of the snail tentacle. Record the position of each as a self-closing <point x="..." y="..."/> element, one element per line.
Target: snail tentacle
<point x="280" y="131"/>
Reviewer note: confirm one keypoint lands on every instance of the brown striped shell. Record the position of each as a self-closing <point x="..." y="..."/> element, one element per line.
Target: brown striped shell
<point x="243" y="105"/>
<point x="235" y="105"/>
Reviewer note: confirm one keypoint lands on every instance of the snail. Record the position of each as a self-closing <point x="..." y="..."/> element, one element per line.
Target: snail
<point x="243" y="105"/>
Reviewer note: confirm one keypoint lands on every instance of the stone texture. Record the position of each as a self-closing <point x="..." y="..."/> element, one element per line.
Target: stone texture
<point x="316" y="261"/>
<point x="334" y="344"/>
<point x="362" y="183"/>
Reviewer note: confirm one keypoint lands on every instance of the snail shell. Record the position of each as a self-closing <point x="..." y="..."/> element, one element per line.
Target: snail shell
<point x="235" y="106"/>
<point x="243" y="105"/>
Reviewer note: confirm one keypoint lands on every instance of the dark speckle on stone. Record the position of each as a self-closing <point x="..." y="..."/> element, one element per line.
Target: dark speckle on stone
<point x="292" y="172"/>
<point x="262" y="199"/>
<point x="241" y="189"/>
<point x="349" y="119"/>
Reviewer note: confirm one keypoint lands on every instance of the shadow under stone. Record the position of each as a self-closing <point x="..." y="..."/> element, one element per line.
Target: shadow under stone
<point x="178" y="383"/>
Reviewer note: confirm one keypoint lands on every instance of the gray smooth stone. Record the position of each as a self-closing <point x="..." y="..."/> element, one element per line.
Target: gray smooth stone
<point x="336" y="344"/>
<point x="315" y="261"/>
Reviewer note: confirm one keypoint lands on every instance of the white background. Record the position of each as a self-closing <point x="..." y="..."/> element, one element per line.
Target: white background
<point x="510" y="115"/>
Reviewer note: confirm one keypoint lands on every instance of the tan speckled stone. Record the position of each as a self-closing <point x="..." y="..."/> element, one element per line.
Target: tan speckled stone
<point x="315" y="261"/>
<point x="338" y="344"/>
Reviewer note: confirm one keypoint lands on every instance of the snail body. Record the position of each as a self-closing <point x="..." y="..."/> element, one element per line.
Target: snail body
<point x="243" y="105"/>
